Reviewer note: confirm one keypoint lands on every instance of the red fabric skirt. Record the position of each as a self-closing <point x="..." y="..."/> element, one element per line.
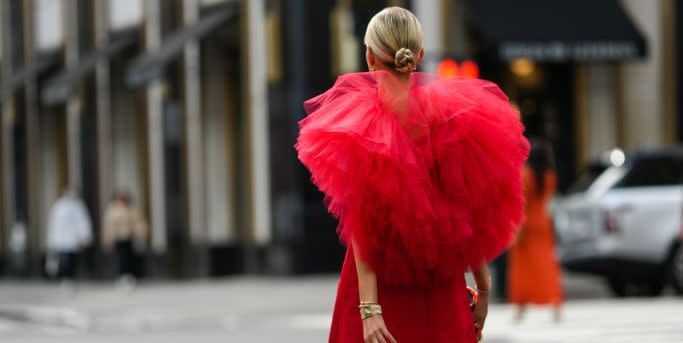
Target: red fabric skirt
<point x="417" y="314"/>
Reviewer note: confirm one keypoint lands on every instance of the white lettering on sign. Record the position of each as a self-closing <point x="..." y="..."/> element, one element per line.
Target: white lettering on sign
<point x="561" y="51"/>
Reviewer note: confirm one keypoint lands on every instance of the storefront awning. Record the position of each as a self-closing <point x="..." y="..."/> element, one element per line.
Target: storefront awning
<point x="558" y="31"/>
<point x="58" y="88"/>
<point x="151" y="65"/>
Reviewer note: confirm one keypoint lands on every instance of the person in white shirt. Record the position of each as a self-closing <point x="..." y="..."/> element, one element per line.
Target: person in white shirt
<point x="69" y="230"/>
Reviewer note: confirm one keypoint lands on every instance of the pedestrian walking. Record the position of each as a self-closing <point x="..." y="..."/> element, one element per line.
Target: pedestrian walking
<point x="69" y="231"/>
<point x="534" y="273"/>
<point x="424" y="175"/>
<point x="125" y="231"/>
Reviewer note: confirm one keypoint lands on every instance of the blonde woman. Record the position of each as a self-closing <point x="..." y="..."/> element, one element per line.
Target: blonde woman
<point x="424" y="175"/>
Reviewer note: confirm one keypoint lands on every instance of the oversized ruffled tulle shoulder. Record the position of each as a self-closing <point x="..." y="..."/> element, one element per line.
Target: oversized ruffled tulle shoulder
<point x="424" y="176"/>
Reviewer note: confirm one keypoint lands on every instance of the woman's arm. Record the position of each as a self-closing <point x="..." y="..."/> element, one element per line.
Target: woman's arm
<point x="374" y="328"/>
<point x="483" y="281"/>
<point x="367" y="282"/>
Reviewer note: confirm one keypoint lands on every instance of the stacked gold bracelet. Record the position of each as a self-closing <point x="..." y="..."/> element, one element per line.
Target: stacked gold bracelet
<point x="369" y="309"/>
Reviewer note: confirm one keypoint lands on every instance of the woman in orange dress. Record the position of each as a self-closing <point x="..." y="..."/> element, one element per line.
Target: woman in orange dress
<point x="534" y="275"/>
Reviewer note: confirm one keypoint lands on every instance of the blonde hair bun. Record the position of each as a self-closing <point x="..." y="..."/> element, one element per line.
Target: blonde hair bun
<point x="394" y="35"/>
<point x="405" y="60"/>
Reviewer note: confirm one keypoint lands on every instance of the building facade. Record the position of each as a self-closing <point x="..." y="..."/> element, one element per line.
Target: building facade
<point x="143" y="96"/>
<point x="192" y="106"/>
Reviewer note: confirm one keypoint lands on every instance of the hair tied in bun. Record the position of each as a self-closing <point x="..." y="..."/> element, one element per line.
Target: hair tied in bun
<point x="405" y="60"/>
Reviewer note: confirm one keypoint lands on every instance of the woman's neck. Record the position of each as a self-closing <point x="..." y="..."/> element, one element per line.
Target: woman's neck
<point x="404" y="77"/>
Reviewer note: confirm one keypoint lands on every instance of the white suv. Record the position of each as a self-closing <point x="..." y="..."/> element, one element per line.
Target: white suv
<point x="622" y="219"/>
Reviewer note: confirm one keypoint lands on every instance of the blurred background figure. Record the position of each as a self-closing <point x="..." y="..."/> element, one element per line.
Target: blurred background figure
<point x="125" y="231"/>
<point x="534" y="275"/>
<point x="69" y="231"/>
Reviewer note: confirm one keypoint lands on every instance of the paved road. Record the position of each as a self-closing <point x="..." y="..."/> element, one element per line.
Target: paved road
<point x="256" y="310"/>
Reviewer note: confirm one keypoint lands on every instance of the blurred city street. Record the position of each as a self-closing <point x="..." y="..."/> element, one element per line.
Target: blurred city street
<point x="266" y="309"/>
<point x="156" y="140"/>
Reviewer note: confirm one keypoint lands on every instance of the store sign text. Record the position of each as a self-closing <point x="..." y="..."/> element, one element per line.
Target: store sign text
<point x="562" y="51"/>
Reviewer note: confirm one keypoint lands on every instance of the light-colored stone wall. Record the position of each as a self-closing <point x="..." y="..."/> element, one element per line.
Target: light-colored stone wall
<point x="49" y="32"/>
<point x="127" y="145"/>
<point x="641" y="81"/>
<point x="219" y="151"/>
<point x="597" y="115"/>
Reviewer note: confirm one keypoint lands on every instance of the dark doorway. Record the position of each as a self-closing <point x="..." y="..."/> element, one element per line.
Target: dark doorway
<point x="544" y="95"/>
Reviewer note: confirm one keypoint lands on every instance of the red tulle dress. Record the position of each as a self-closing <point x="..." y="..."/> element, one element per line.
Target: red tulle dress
<point x="424" y="177"/>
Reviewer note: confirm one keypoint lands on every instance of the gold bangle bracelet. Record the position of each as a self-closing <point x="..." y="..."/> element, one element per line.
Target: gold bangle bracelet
<point x="368" y="315"/>
<point x="368" y="304"/>
<point x="366" y="312"/>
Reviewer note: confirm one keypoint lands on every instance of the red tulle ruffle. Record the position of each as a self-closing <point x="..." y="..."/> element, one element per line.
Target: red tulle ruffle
<point x="423" y="176"/>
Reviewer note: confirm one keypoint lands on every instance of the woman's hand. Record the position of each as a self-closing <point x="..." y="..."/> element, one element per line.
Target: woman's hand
<point x="483" y="279"/>
<point x="481" y="310"/>
<point x="375" y="331"/>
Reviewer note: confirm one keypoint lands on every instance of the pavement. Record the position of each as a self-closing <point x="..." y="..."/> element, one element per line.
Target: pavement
<point x="268" y="309"/>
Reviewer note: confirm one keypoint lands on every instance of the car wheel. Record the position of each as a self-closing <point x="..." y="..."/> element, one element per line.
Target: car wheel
<point x="651" y="288"/>
<point x="617" y="286"/>
<point x="677" y="270"/>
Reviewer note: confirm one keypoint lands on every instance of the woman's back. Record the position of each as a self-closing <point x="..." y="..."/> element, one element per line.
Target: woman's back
<point x="423" y="174"/>
<point x="412" y="171"/>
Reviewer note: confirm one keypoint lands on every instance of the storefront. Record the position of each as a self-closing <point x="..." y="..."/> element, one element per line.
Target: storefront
<point x="535" y="50"/>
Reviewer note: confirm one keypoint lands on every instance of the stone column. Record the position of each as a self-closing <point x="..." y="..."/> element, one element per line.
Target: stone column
<point x="155" y="137"/>
<point x="194" y="154"/>
<point x="6" y="140"/>
<point x="429" y="12"/>
<point x="642" y="81"/>
<point x="34" y="216"/>
<point x="73" y="104"/>
<point x="670" y="83"/>
<point x="194" y="161"/>
<point x="257" y="123"/>
<point x="103" y="107"/>
<point x="598" y="113"/>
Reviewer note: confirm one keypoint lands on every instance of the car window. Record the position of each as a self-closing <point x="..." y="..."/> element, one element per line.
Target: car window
<point x="606" y="181"/>
<point x="587" y="177"/>
<point x="653" y="171"/>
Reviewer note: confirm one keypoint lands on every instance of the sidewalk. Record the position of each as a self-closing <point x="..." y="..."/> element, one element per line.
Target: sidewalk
<point x="158" y="306"/>
<point x="294" y="309"/>
<point x="216" y="303"/>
